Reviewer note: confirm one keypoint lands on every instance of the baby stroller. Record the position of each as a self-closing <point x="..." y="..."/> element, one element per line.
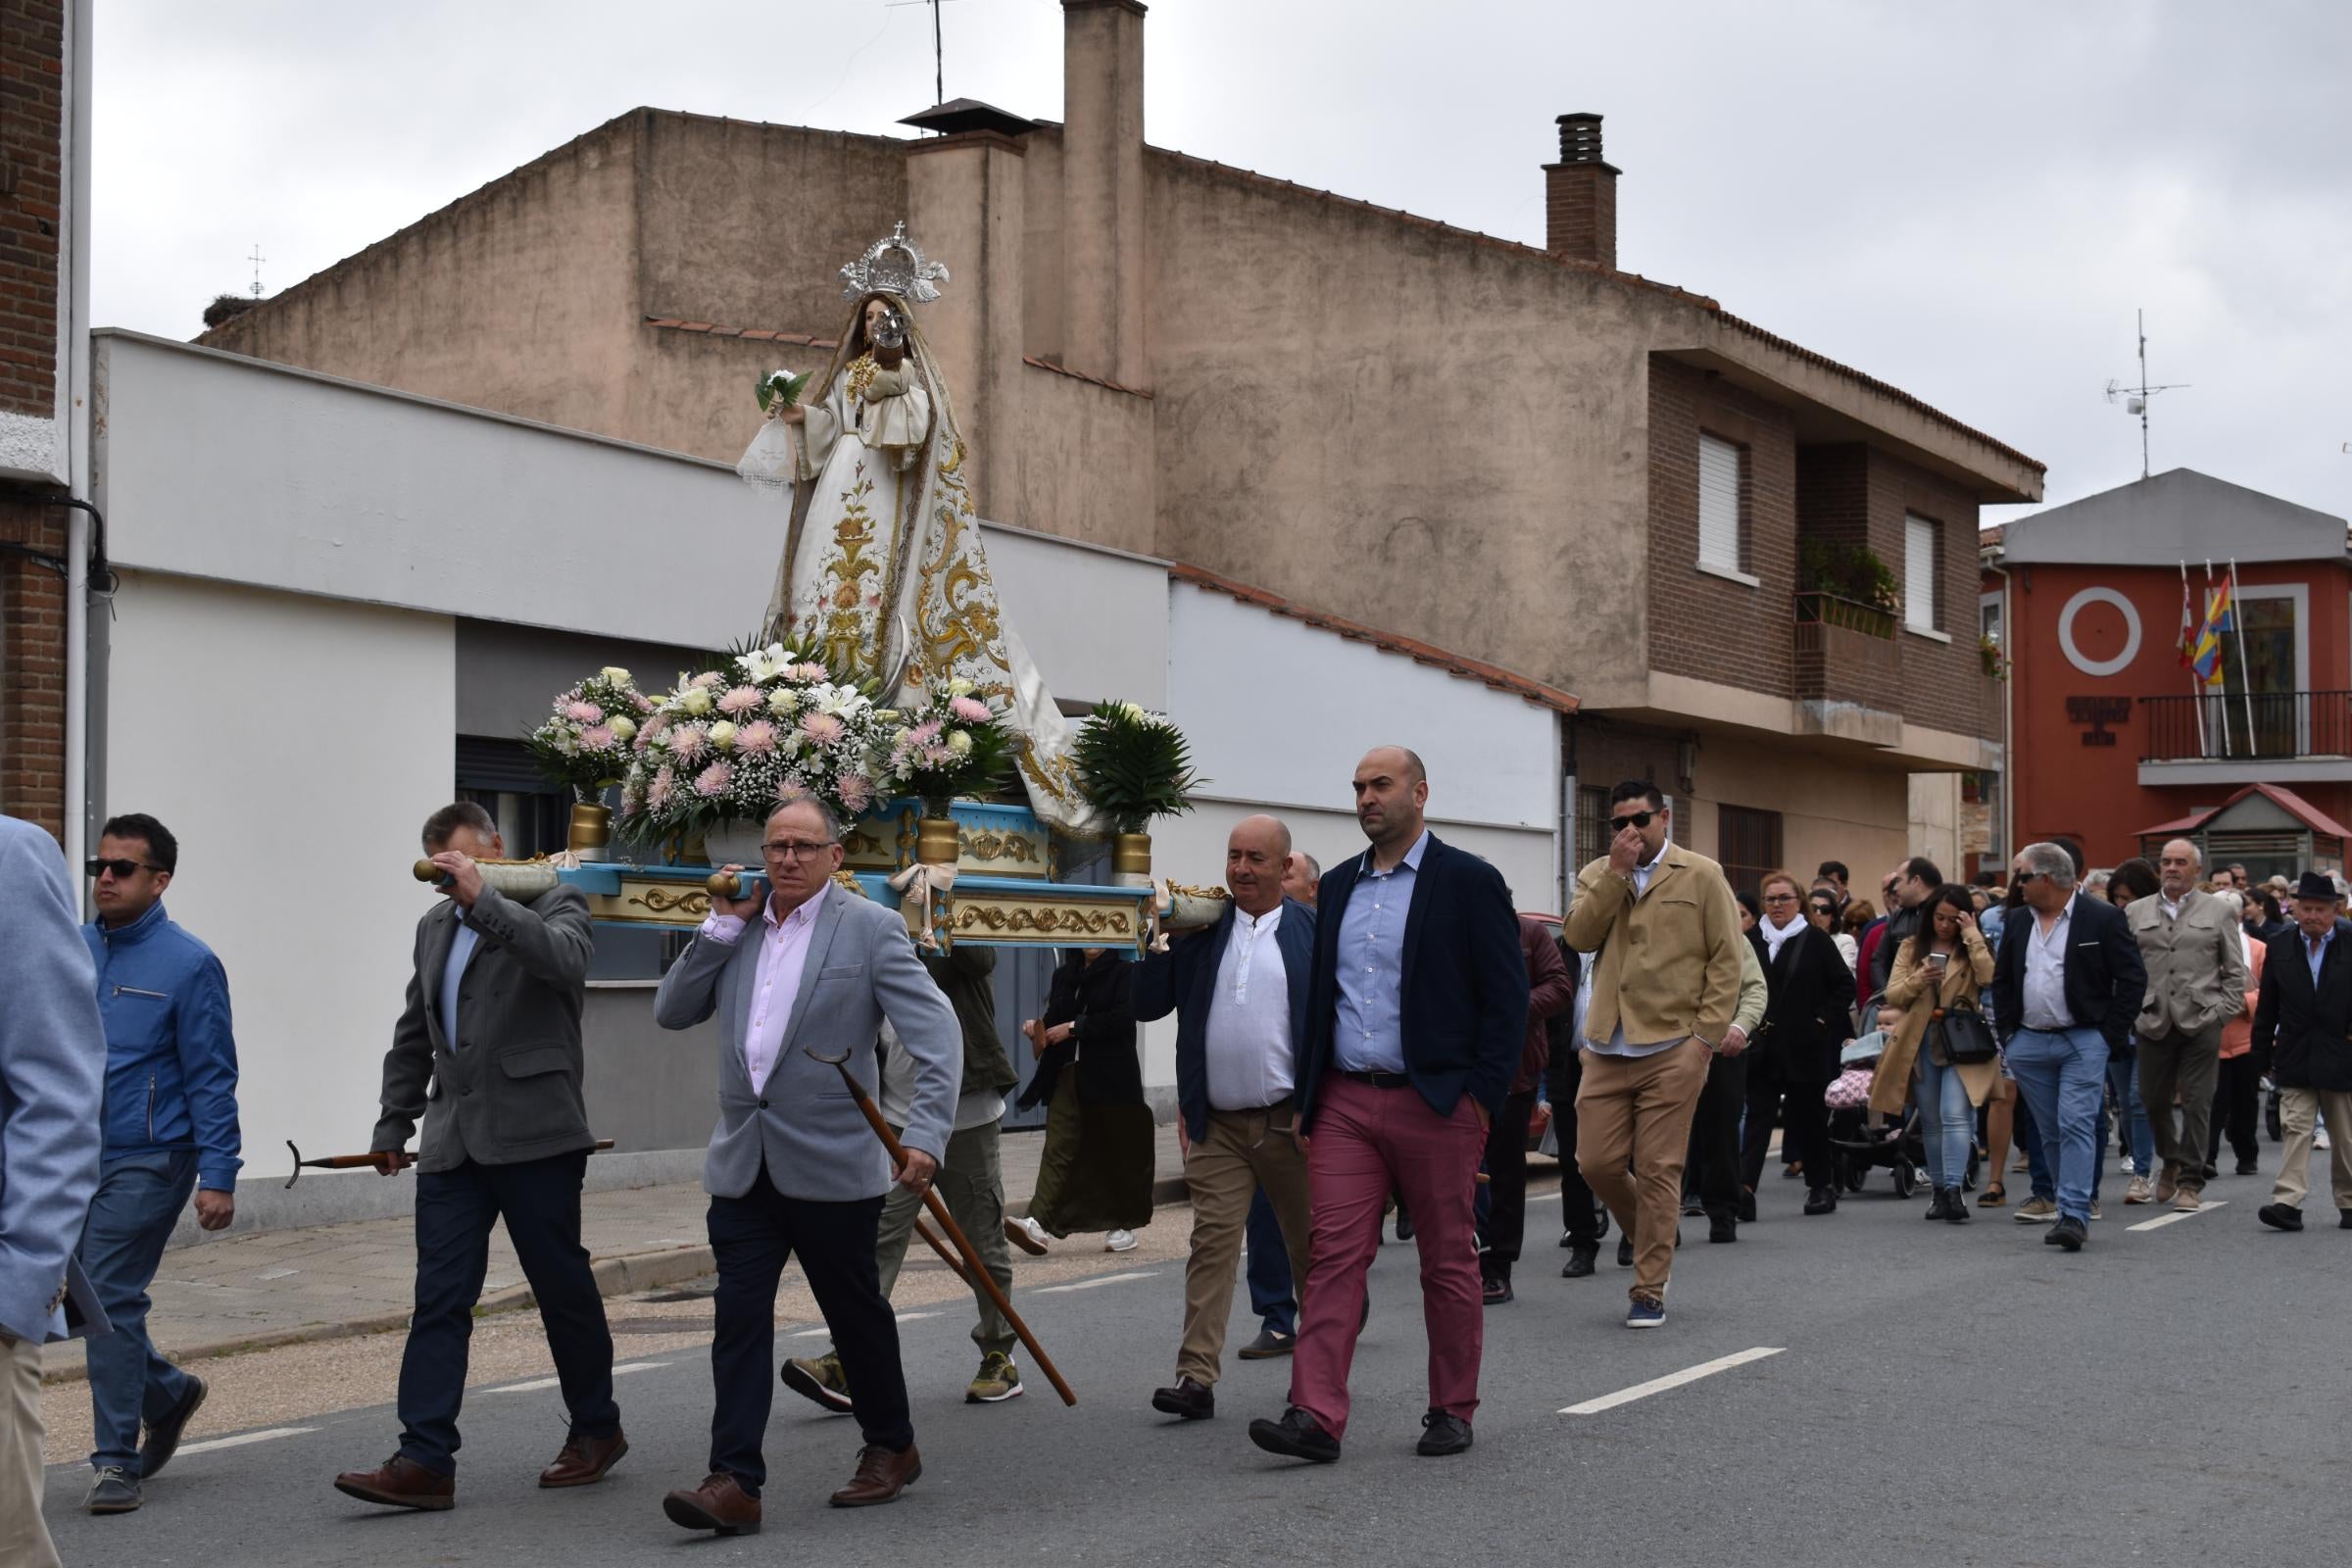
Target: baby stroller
<point x="1862" y="1140"/>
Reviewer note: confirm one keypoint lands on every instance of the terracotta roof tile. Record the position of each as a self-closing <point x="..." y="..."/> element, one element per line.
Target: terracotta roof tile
<point x="2285" y="799"/>
<point x="1420" y="653"/>
<point x="672" y="323"/>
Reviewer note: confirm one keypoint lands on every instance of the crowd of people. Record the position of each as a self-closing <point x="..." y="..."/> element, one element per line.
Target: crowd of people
<point x="1385" y="1035"/>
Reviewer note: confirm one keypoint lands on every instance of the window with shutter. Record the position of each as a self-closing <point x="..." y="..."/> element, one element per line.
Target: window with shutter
<point x="1719" y="465"/>
<point x="1921" y="544"/>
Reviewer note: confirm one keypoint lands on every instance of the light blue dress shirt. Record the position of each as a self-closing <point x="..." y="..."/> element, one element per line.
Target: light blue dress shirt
<point x="2315" y="960"/>
<point x="1368" y="1034"/>
<point x="461" y="953"/>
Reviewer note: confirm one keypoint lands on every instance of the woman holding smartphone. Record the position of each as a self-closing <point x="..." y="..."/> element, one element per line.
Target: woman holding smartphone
<point x="1940" y="968"/>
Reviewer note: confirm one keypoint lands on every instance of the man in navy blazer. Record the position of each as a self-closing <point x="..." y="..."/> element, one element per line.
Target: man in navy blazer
<point x="2066" y="987"/>
<point x="1414" y="1024"/>
<point x="1239" y="992"/>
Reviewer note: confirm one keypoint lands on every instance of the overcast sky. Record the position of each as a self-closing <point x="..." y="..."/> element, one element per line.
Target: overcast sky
<point x="1967" y="200"/>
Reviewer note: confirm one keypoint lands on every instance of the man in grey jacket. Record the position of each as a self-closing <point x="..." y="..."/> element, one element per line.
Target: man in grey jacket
<point x="487" y="1051"/>
<point x="810" y="971"/>
<point x="2196" y="983"/>
<point x="52" y="1075"/>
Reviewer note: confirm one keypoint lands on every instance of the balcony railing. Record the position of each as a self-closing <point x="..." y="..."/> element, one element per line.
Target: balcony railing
<point x="1815" y="609"/>
<point x="2283" y="725"/>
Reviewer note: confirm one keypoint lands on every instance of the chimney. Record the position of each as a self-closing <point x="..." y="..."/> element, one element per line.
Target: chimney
<point x="1580" y="196"/>
<point x="1102" y="188"/>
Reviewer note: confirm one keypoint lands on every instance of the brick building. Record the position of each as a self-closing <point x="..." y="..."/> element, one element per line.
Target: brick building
<point x="1609" y="486"/>
<point x="44" y="547"/>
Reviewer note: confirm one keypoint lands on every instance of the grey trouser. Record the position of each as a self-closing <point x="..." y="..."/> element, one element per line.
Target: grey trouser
<point x="23" y="1537"/>
<point x="971" y="1182"/>
<point x="2183" y="1066"/>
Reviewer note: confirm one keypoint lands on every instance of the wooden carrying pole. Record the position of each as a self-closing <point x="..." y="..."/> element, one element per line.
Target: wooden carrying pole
<point x="973" y="1268"/>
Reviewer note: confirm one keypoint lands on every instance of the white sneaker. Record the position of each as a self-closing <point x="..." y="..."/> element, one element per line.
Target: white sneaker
<point x="2318" y="1142"/>
<point x="1119" y="1241"/>
<point x="2125" y="1165"/>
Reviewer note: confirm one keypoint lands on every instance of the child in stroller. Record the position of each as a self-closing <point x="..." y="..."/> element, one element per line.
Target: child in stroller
<point x="1861" y="1140"/>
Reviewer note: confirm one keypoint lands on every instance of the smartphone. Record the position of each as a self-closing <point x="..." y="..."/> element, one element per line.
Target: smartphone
<point x="1937" y="961"/>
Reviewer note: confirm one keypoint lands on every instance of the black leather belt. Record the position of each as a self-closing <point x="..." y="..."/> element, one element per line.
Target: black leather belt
<point x="1380" y="1080"/>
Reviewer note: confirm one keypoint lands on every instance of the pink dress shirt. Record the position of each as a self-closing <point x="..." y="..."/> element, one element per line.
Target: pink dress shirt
<point x="783" y="955"/>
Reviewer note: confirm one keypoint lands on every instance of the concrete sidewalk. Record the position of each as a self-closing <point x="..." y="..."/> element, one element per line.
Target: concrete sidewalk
<point x="285" y="1286"/>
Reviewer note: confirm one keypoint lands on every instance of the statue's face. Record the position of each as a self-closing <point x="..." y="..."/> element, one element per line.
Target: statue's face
<point x="876" y="312"/>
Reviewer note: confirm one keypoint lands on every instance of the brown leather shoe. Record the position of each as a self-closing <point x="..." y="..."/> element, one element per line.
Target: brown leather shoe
<point x="881" y="1476"/>
<point x="582" y="1461"/>
<point x="719" y="1503"/>
<point x="400" y="1482"/>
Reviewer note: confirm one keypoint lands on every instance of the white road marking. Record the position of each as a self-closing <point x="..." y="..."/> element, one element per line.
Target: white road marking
<point x="1672" y="1380"/>
<point x="241" y="1438"/>
<point x="2180" y="1213"/>
<point x="915" y="1317"/>
<point x="551" y="1383"/>
<point x="1543" y="1198"/>
<point x="277" y="1273"/>
<point x="821" y="1330"/>
<point x="1101" y="1279"/>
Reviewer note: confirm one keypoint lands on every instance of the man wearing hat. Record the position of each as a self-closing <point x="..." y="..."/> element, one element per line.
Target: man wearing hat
<point x="2300" y="1028"/>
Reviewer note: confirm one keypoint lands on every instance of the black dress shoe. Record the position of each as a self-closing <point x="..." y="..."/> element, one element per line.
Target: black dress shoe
<point x="2343" y="1219"/>
<point x="1297" y="1435"/>
<point x="1195" y="1402"/>
<point x="1268" y="1344"/>
<point x="1722" y="1228"/>
<point x="1495" y="1290"/>
<point x="163" y="1437"/>
<point x="1747" y="1206"/>
<point x="1940" y="1207"/>
<point x="1956" y="1211"/>
<point x="2069" y="1232"/>
<point x="1580" y="1264"/>
<point x="1443" y="1434"/>
<point x="2249" y="1168"/>
<point x="1404" y="1226"/>
<point x="1625" y="1252"/>
<point x="2280" y="1216"/>
<point x="1822" y="1200"/>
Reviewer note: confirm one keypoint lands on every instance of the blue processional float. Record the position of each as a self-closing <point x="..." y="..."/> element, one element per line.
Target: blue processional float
<point x="886" y="682"/>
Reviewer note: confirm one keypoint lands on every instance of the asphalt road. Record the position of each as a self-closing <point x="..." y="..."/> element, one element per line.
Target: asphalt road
<point x="1938" y="1396"/>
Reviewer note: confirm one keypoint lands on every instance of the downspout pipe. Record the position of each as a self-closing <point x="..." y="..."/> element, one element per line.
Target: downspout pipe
<point x="75" y="368"/>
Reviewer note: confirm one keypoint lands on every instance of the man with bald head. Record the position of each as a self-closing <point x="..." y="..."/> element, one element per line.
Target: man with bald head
<point x="1239" y="992"/>
<point x="1415" y="1018"/>
<point x="2196" y="983"/>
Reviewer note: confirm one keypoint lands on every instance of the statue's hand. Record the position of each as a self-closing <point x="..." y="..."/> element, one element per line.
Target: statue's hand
<point x="795" y="414"/>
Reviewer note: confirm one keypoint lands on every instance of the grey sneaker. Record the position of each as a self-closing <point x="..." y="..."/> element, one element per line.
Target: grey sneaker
<point x="114" y="1490"/>
<point x="822" y="1383"/>
<point x="2037" y="1211"/>
<point x="997" y="1380"/>
<point x="2094" y="1208"/>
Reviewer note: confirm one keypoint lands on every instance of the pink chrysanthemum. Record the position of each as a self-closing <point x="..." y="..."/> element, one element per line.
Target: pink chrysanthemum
<point x="689" y="741"/>
<point x="855" y="789"/>
<point x="790" y="789"/>
<point x="714" y="779"/>
<point x="807" y="672"/>
<point x="822" y="729"/>
<point x="596" y="738"/>
<point x="742" y="700"/>
<point x="706" y="679"/>
<point x="658" y="792"/>
<point x="584" y="712"/>
<point x="756" y="736"/>
<point x="970" y="710"/>
<point x="645" y="704"/>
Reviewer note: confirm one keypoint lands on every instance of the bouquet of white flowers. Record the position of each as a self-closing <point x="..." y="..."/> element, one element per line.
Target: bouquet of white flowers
<point x="767" y="464"/>
<point x="585" y="742"/>
<point x="730" y="745"/>
<point x="954" y="744"/>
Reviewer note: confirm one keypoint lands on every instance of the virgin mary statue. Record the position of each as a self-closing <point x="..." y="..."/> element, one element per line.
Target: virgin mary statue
<point x="883" y="564"/>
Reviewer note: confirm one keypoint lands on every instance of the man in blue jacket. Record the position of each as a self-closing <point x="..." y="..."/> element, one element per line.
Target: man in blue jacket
<point x="170" y="1126"/>
<point x="52" y="1060"/>
<point x="1239" y="992"/>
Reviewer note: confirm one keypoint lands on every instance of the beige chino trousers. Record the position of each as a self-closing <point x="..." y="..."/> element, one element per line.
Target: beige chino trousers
<point x="1244" y="1149"/>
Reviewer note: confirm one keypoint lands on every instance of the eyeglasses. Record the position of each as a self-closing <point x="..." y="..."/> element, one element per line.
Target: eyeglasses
<point x="1638" y="820"/>
<point x="121" y="868"/>
<point x="795" y="848"/>
<point x="2022" y="878"/>
<point x="1780" y="898"/>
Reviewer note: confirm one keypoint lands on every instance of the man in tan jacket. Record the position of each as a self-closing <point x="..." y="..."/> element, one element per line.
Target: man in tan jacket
<point x="1665" y="983"/>
<point x="2196" y="984"/>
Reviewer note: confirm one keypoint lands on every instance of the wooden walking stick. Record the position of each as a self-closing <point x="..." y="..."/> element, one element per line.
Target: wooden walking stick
<point x="954" y="1263"/>
<point x="974" y="1267"/>
<point x="357" y="1161"/>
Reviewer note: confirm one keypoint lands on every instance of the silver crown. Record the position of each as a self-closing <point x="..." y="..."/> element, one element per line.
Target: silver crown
<point x="894" y="267"/>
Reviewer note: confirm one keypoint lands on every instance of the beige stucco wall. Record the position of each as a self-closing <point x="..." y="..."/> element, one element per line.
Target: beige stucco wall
<point x="1830" y="808"/>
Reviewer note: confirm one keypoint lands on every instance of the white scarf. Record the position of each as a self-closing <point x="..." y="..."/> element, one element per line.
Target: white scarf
<point x="1775" y="936"/>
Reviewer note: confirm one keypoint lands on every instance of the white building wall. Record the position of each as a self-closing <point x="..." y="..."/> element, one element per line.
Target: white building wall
<point x="287" y="741"/>
<point x="1095" y="621"/>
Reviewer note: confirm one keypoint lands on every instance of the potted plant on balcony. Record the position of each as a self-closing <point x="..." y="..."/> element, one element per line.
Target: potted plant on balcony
<point x="1861" y="593"/>
<point x="584" y="745"/>
<point x="1134" y="766"/>
<point x="953" y="746"/>
<point x="729" y="745"/>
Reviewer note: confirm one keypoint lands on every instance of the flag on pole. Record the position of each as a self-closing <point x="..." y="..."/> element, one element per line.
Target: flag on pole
<point x="2188" y="624"/>
<point x="2220" y="614"/>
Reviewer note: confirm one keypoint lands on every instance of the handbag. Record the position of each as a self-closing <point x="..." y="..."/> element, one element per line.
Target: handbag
<point x="1967" y="1036"/>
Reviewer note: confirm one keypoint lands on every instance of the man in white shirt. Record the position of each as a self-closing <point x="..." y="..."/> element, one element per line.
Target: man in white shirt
<point x="1239" y="991"/>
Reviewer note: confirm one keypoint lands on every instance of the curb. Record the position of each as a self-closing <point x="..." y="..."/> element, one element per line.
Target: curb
<point x="618" y="1275"/>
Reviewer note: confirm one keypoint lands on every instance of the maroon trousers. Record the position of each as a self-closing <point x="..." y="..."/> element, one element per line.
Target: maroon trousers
<point x="1364" y="1142"/>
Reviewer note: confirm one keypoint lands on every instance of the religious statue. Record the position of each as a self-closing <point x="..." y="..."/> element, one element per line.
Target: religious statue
<point x="883" y="567"/>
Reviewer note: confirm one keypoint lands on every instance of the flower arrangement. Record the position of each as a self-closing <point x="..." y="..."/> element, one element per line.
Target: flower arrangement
<point x="779" y="387"/>
<point x="1989" y="655"/>
<point x="954" y="744"/>
<point x="1850" y="571"/>
<point x="586" y="744"/>
<point x="1134" y="766"/>
<point x="771" y="724"/>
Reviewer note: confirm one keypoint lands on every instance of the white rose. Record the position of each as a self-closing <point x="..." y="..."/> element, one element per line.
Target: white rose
<point x="960" y="743"/>
<point x="959" y="687"/>
<point x="723" y="735"/>
<point x="623" y="729"/>
<point x="697" y="700"/>
<point x="615" y="674"/>
<point x="782" y="701"/>
<point x="1134" y="711"/>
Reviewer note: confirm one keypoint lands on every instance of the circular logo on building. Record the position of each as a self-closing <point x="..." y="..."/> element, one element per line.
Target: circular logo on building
<point x="2102" y="636"/>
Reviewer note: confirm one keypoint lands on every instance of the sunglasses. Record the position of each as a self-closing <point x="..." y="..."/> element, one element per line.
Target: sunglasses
<point x="121" y="868"/>
<point x="1638" y="820"/>
<point x="2022" y="878"/>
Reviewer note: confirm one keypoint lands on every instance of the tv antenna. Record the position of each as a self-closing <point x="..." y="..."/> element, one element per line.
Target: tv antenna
<point x="2136" y="398"/>
<point x="256" y="259"/>
<point x="939" y="57"/>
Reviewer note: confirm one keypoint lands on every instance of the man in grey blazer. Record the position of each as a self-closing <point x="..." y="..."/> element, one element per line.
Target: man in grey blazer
<point x="2196" y="983"/>
<point x="52" y="1077"/>
<point x="810" y="971"/>
<point x="487" y="1051"/>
